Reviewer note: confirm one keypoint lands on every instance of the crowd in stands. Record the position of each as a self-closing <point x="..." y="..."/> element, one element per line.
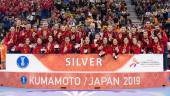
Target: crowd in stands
<point x="155" y="11"/>
<point x="78" y="26"/>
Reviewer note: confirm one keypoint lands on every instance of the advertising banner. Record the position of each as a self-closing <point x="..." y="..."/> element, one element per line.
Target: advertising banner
<point x="83" y="63"/>
<point x="86" y="81"/>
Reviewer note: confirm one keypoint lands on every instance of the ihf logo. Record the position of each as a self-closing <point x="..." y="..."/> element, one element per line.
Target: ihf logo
<point x="22" y="62"/>
<point x="23" y="80"/>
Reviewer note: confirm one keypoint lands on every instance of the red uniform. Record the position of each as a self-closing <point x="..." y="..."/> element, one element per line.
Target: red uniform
<point x="33" y="39"/>
<point x="44" y="35"/>
<point x="158" y="48"/>
<point x="120" y="39"/>
<point x="147" y="44"/>
<point x="59" y="39"/>
<point x="46" y="4"/>
<point x="135" y="49"/>
<point x="50" y="48"/>
<point x="25" y="49"/>
<point x="65" y="33"/>
<point x="23" y="35"/>
<point x="105" y="33"/>
<point x="66" y="48"/>
<point x="149" y="29"/>
<point x="125" y="49"/>
<point x="55" y="34"/>
<point x="11" y="39"/>
<point x="94" y="48"/>
<point x="37" y="49"/>
<point x="79" y="35"/>
<point x="85" y="49"/>
<point x="107" y="49"/>
<point x="115" y="49"/>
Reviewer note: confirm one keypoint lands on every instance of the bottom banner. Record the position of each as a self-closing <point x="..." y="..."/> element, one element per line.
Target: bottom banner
<point x="84" y="81"/>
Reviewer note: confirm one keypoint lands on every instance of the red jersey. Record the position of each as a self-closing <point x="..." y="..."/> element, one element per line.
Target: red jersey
<point x="37" y="49"/>
<point x="23" y="35"/>
<point x="85" y="49"/>
<point x="158" y="48"/>
<point x="115" y="49"/>
<point x="135" y="49"/>
<point x="66" y="48"/>
<point x="50" y="48"/>
<point x="11" y="39"/>
<point x="107" y="49"/>
<point x="125" y="49"/>
<point x="25" y="49"/>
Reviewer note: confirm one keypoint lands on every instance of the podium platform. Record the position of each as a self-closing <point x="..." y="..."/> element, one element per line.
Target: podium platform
<point x="84" y="71"/>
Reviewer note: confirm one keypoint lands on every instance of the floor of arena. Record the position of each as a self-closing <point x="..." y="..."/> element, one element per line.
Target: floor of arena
<point x="164" y="91"/>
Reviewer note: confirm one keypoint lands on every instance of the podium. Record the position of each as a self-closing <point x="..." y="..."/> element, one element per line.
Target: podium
<point x="84" y="71"/>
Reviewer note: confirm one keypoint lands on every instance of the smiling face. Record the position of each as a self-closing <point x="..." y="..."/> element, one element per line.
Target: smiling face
<point x="130" y="34"/>
<point x="27" y="41"/>
<point x="134" y="40"/>
<point x="28" y="27"/>
<point x="104" y="41"/>
<point x="97" y="36"/>
<point x="45" y="25"/>
<point x="39" y="41"/>
<point x="56" y="26"/>
<point x="156" y="39"/>
<point x="133" y="30"/>
<point x="50" y="39"/>
<point x="145" y="34"/>
<point x="12" y="29"/>
<point x="87" y="40"/>
<point x="73" y="29"/>
<point x="109" y="28"/>
<point x="157" y="28"/>
<point x="34" y="34"/>
<point x="126" y="40"/>
<point x="123" y="29"/>
<point x="115" y="42"/>
<point x="67" y="40"/>
<point x="159" y="35"/>
<point x="62" y="28"/>
<point x="18" y="22"/>
<point x="120" y="35"/>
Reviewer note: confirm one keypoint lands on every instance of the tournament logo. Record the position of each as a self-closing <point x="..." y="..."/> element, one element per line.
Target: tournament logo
<point x="135" y="63"/>
<point x="22" y="62"/>
<point x="23" y="80"/>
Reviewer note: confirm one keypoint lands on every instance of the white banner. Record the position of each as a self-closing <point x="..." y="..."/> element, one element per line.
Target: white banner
<point x="144" y="63"/>
<point x="136" y="63"/>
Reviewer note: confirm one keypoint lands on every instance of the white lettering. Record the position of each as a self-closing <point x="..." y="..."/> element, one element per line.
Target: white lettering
<point x="99" y="81"/>
<point x="68" y="62"/>
<point x="51" y="82"/>
<point x="85" y="62"/>
<point x="67" y="81"/>
<point x="91" y="61"/>
<point x="99" y="61"/>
